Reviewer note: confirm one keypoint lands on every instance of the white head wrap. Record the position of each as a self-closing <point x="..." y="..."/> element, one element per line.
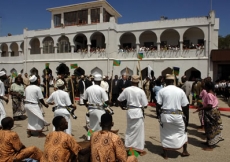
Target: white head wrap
<point x="97" y="77"/>
<point x="60" y="83"/>
<point x="33" y="78"/>
<point x="2" y="73"/>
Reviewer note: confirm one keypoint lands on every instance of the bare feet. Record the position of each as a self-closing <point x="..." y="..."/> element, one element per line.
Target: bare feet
<point x="164" y="156"/>
<point x="184" y="154"/>
<point x="142" y="153"/>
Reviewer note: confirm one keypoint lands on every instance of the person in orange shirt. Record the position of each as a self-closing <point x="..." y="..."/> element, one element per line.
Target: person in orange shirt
<point x="12" y="148"/>
<point x="107" y="146"/>
<point x="60" y="146"/>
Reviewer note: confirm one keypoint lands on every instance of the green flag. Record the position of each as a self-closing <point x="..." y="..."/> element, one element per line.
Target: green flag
<point x="116" y="62"/>
<point x="133" y="152"/>
<point x="47" y="65"/>
<point x="140" y="56"/>
<point x="90" y="132"/>
<point x="176" y="70"/>
<point x="73" y="66"/>
<point x="14" y="75"/>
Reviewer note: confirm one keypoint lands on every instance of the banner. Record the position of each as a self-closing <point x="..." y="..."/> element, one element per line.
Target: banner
<point x="176" y="70"/>
<point x="116" y="62"/>
<point x="73" y="66"/>
<point x="47" y="65"/>
<point x="140" y="56"/>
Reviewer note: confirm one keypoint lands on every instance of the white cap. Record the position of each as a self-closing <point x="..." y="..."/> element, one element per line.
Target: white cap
<point x="60" y="83"/>
<point x="33" y="78"/>
<point x="97" y="77"/>
<point x="104" y="76"/>
<point x="2" y="73"/>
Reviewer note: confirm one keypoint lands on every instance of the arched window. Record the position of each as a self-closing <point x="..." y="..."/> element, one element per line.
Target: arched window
<point x="48" y="45"/>
<point x="63" y="45"/>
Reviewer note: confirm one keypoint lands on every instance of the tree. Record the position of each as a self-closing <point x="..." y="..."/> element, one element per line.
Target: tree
<point x="224" y="42"/>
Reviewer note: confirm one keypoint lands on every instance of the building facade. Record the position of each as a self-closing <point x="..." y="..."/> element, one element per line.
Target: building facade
<point x="89" y="34"/>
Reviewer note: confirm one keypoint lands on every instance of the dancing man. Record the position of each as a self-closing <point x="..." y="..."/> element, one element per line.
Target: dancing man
<point x="136" y="102"/>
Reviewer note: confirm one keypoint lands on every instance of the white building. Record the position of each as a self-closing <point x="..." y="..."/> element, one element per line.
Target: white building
<point x="89" y="34"/>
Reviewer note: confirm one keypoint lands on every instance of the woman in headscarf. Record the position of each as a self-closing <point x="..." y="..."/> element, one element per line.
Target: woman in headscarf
<point x="17" y="92"/>
<point x="212" y="119"/>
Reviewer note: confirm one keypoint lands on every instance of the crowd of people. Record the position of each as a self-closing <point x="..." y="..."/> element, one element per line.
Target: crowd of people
<point x="97" y="93"/>
<point x="92" y="50"/>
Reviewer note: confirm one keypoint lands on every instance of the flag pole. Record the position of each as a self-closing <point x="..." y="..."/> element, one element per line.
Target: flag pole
<point x="111" y="87"/>
<point x="140" y="72"/>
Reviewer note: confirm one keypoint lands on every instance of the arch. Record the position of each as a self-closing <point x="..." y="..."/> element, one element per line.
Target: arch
<point x="96" y="70"/>
<point x="97" y="40"/>
<point x="4" y="70"/>
<point x="35" y="46"/>
<point x="167" y="71"/>
<point x="127" y="71"/>
<point x="192" y="74"/>
<point x="148" y="39"/>
<point x="170" y="37"/>
<point x="14" y="49"/>
<point x="63" y="45"/>
<point x="33" y="71"/>
<point x="193" y="36"/>
<point x="80" y="42"/>
<point x="48" y="45"/>
<point x="13" y="71"/>
<point x="4" y="49"/>
<point x="22" y="47"/>
<point x="128" y="40"/>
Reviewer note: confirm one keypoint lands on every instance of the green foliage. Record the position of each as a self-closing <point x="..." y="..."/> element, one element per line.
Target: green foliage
<point x="224" y="42"/>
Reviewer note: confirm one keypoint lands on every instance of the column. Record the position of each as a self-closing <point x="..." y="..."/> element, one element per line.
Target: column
<point x="55" y="50"/>
<point x="72" y="48"/>
<point x="101" y="14"/>
<point x="181" y="48"/>
<point x="62" y="18"/>
<point x="137" y="47"/>
<point x="9" y="53"/>
<point x="41" y="49"/>
<point x="158" y="46"/>
<point x="89" y="48"/>
<point x="89" y="16"/>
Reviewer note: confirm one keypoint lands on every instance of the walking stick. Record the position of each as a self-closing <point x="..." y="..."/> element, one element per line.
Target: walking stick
<point x="71" y="80"/>
<point x="46" y="84"/>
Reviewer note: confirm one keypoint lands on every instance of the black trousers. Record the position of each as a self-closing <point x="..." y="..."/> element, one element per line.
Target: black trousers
<point x="186" y="114"/>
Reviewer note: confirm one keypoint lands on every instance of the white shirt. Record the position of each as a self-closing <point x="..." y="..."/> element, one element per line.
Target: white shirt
<point x="33" y="94"/>
<point x="105" y="85"/>
<point x="135" y="97"/>
<point x="172" y="97"/>
<point x="2" y="89"/>
<point x="60" y="98"/>
<point x="95" y="95"/>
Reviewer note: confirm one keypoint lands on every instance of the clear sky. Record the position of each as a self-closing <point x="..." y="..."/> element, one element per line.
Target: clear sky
<point x="19" y="14"/>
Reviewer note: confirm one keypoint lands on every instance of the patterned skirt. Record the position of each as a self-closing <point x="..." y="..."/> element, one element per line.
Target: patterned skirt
<point x="18" y="107"/>
<point x="213" y="126"/>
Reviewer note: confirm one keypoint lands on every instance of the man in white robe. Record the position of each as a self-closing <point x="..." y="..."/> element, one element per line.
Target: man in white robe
<point x="2" y="96"/>
<point x="82" y="88"/>
<point x="33" y="95"/>
<point x="172" y="100"/>
<point x="94" y="98"/>
<point x="136" y="101"/>
<point x="61" y="100"/>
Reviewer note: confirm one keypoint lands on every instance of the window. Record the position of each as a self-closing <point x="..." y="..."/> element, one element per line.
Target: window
<point x="186" y="43"/>
<point x="106" y="16"/>
<point x="163" y="43"/>
<point x="64" y="45"/>
<point x="48" y="46"/>
<point x="57" y="20"/>
<point x="148" y="44"/>
<point x="95" y="15"/>
<point x="70" y="18"/>
<point x="200" y="42"/>
<point x="82" y="17"/>
<point x="4" y="54"/>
